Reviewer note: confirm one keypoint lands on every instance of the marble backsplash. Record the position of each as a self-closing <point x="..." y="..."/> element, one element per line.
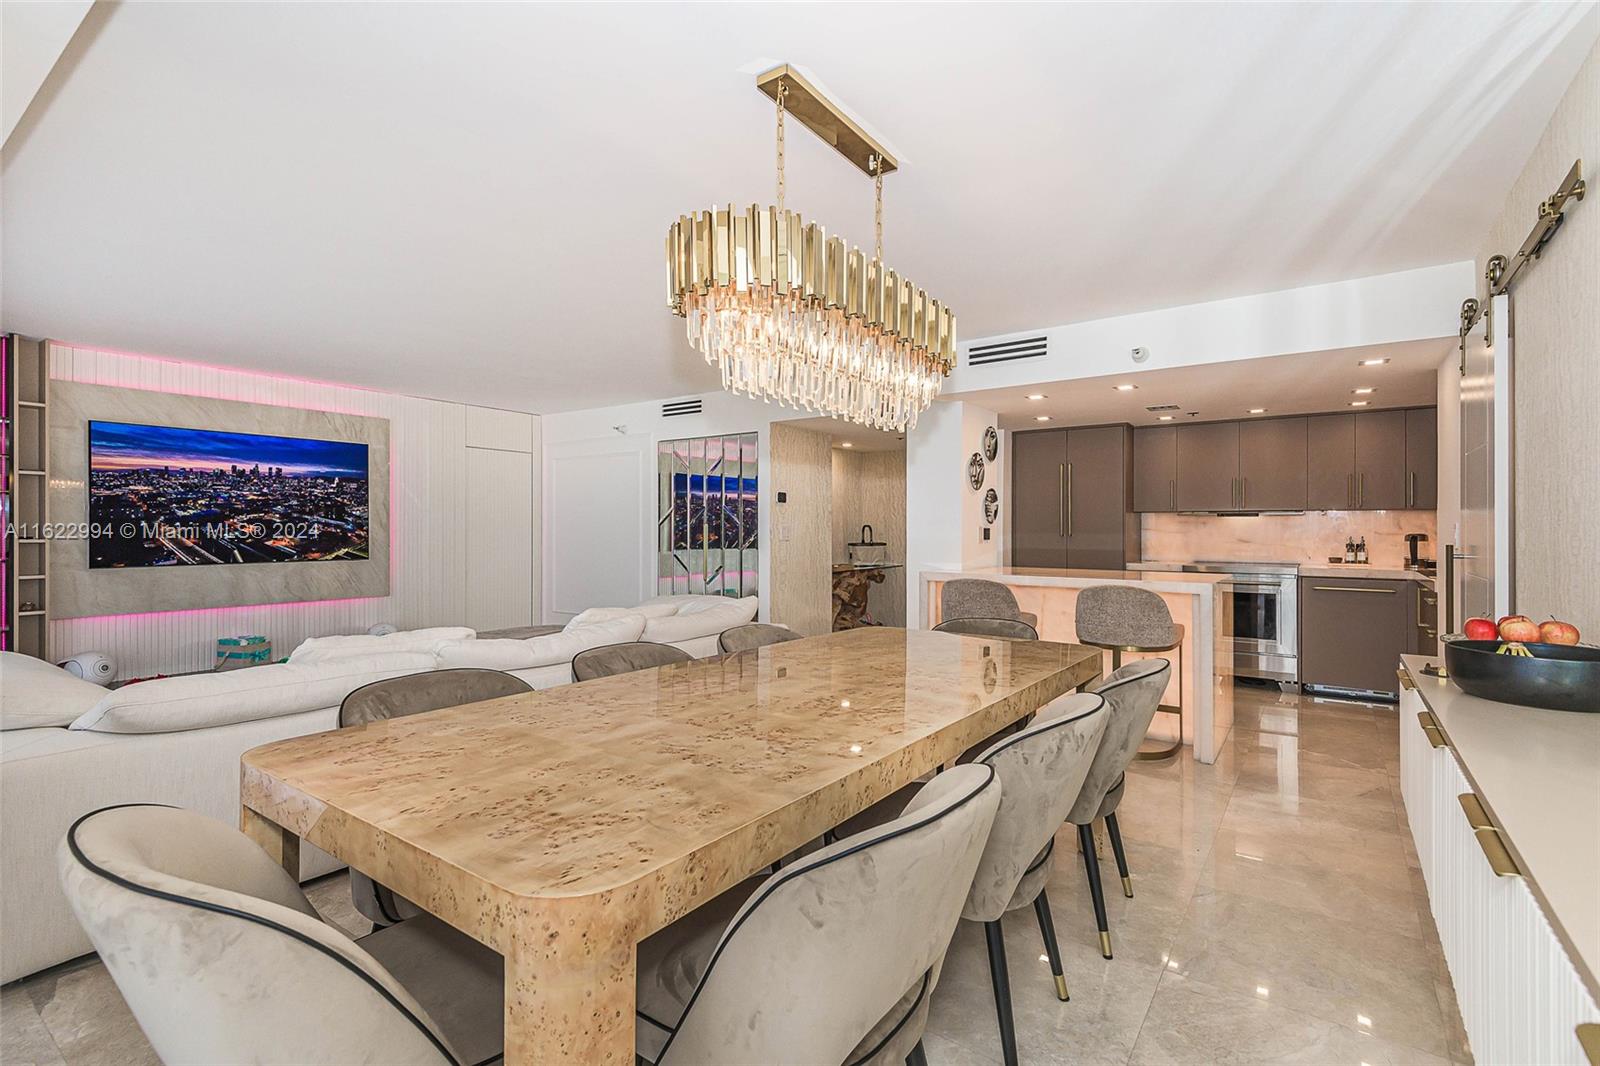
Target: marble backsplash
<point x="1303" y="538"/>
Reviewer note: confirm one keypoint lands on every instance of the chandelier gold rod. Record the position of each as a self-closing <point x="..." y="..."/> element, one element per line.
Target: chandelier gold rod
<point x="825" y="118"/>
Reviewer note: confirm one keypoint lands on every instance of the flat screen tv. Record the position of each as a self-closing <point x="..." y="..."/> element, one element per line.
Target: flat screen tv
<point x="166" y="496"/>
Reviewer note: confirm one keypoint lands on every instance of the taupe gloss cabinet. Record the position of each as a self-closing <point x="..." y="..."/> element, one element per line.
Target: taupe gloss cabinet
<point x="1272" y="467"/>
<point x="1155" y="468"/>
<point x="1422" y="458"/>
<point x="1208" y="467"/>
<point x="1072" y="498"/>
<point x="1331" y="463"/>
<point x="1353" y="631"/>
<point x="1381" y="461"/>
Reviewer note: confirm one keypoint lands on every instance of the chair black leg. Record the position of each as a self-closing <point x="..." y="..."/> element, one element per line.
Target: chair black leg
<point x="1002" y="991"/>
<point x="1122" y="857"/>
<point x="918" y="1056"/>
<point x="1091" y="866"/>
<point x="1047" y="928"/>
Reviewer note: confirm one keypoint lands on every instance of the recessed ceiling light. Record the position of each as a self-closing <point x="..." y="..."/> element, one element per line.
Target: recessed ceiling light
<point x="847" y="444"/>
<point x="1041" y="418"/>
<point x="1258" y="410"/>
<point x="1358" y="403"/>
<point x="1366" y="391"/>
<point x="1126" y="388"/>
<point x="1373" y="362"/>
<point x="1035" y="395"/>
<point x="1164" y="418"/>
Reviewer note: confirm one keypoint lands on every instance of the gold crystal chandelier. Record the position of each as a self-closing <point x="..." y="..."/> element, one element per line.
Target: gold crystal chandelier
<point x="790" y="314"/>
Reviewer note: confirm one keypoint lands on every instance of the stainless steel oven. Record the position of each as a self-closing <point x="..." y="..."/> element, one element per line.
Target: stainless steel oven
<point x="1265" y="633"/>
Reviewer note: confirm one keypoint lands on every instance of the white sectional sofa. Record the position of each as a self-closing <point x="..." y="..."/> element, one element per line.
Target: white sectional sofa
<point x="68" y="747"/>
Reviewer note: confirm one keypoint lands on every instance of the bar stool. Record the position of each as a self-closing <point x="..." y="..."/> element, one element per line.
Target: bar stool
<point x="1123" y="618"/>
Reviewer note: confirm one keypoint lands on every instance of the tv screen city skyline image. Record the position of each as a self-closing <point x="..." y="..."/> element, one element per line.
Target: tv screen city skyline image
<point x="166" y="496"/>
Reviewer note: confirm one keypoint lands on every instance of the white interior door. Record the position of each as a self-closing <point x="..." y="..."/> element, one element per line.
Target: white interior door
<point x="1484" y="573"/>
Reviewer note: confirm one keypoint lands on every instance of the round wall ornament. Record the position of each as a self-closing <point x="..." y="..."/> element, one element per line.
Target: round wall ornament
<point x="975" y="471"/>
<point x="991" y="507"/>
<point x="991" y="444"/>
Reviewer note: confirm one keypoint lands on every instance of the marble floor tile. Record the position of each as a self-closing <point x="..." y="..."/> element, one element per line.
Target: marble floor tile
<point x="1340" y="971"/>
<point x="1193" y="1022"/>
<point x="87" y="1017"/>
<point x="24" y="1038"/>
<point x="1381" y="896"/>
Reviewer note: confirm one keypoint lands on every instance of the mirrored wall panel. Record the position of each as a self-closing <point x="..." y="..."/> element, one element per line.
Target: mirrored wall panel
<point x="707" y="504"/>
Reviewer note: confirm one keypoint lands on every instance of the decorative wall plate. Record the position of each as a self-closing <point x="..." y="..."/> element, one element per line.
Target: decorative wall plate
<point x="991" y="444"/>
<point x="991" y="506"/>
<point x="975" y="471"/>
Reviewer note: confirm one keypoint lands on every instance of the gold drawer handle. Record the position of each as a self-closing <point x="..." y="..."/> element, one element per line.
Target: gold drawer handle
<point x="1349" y="588"/>
<point x="1488" y="837"/>
<point x="1431" y="729"/>
<point x="1405" y="679"/>
<point x="1589" y="1040"/>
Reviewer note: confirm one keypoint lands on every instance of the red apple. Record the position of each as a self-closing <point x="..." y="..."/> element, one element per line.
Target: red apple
<point x="1522" y="630"/>
<point x="1558" y="632"/>
<point x="1480" y="629"/>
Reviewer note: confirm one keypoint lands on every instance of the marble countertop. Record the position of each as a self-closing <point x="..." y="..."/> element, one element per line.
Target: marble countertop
<point x="1538" y="774"/>
<point x="1379" y="573"/>
<point x="1159" y="581"/>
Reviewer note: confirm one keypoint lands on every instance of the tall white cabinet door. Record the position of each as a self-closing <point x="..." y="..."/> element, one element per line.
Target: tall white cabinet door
<point x="500" y="539"/>
<point x="1420" y="763"/>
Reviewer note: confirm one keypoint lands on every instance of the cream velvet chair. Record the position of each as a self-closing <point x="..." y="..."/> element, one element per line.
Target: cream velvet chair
<point x="222" y="958"/>
<point x="400" y="697"/>
<point x="613" y="659"/>
<point x="754" y="635"/>
<point x="832" y="959"/>
<point x="1133" y="693"/>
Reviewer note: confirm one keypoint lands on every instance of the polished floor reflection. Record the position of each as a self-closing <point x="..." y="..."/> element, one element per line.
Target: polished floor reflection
<point x="1278" y="916"/>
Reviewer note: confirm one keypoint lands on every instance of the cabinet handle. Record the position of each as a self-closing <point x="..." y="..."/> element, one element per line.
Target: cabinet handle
<point x="1069" y="500"/>
<point x="1350" y="491"/>
<point x="1244" y="492"/>
<point x="1488" y="837"/>
<point x="1430" y="729"/>
<point x="1172" y="493"/>
<point x="1589" y="1041"/>
<point x="1361" y="498"/>
<point x="1406" y="683"/>
<point x="1061" y="499"/>
<point x="1349" y="588"/>
<point x="1411" y="488"/>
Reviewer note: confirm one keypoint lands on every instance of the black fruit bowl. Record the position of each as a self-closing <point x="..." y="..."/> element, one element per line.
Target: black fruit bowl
<point x="1561" y="677"/>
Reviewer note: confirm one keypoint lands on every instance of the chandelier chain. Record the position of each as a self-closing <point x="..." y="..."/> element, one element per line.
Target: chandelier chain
<point x="877" y="215"/>
<point x="783" y="91"/>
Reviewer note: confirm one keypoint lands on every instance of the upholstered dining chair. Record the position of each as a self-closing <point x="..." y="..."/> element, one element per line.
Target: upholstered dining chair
<point x="1042" y="770"/>
<point x="222" y="958"/>
<point x="1006" y="628"/>
<point x="1132" y="693"/>
<point x="972" y="597"/>
<point x="399" y="697"/>
<point x="754" y="635"/>
<point x="832" y="959"/>
<point x="613" y="659"/>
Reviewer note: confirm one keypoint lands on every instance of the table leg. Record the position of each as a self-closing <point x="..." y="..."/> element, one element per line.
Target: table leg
<point x="570" y="994"/>
<point x="282" y="845"/>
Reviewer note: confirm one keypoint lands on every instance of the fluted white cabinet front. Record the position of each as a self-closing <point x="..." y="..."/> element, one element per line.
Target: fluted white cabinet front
<point x="1520" y="997"/>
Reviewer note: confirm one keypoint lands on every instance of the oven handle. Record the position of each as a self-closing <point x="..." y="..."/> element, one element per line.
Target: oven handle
<point x="1241" y="586"/>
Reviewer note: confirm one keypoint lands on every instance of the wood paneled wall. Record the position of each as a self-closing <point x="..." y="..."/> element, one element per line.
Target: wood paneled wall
<point x="429" y="522"/>
<point x="801" y="543"/>
<point x="869" y="488"/>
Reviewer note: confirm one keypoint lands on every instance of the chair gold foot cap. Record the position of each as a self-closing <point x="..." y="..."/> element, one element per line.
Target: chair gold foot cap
<point x="1061" y="989"/>
<point x="1127" y="887"/>
<point x="1105" y="944"/>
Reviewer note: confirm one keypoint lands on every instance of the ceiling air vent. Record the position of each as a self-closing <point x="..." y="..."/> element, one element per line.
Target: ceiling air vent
<point x="1157" y="408"/>
<point x="680" y="407"/>
<point x="1005" y="351"/>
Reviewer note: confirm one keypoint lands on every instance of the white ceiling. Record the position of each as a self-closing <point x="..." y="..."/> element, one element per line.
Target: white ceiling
<point x="1298" y="384"/>
<point x="845" y="435"/>
<point x="469" y="201"/>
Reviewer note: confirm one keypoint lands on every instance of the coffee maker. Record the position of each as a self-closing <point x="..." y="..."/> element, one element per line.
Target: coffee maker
<point x="1414" y="561"/>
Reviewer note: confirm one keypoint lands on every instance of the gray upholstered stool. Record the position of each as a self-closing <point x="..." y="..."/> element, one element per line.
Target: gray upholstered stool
<point x="1123" y="618"/>
<point x="1006" y="628"/>
<point x="971" y="597"/>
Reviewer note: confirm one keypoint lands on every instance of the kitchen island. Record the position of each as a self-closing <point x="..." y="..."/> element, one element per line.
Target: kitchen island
<point x="1207" y="618"/>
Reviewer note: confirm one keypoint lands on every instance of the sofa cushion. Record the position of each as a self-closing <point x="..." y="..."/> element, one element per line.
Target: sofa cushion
<point x="34" y="693"/>
<point x="702" y="619"/>
<point x="196" y="701"/>
<point x="608" y="614"/>
<point x="548" y="650"/>
<point x="321" y="649"/>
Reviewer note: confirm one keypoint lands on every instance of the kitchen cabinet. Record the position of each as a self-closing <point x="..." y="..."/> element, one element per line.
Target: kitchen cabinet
<point x="1155" y="468"/>
<point x="1072" y="498"/>
<point x="1353" y="631"/>
<point x="1422" y="458"/>
<point x="1208" y="467"/>
<point x="1424" y="619"/>
<point x="1330" y="462"/>
<point x="1380" y="456"/>
<point x="1272" y="464"/>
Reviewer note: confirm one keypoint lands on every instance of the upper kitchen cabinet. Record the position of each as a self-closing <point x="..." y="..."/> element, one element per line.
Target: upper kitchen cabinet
<point x="1381" y="461"/>
<point x="1208" y="467"/>
<point x="1155" y="468"/>
<point x="1331" y="462"/>
<point x="1272" y="465"/>
<point x="1071" y="493"/>
<point x="1422" y="458"/>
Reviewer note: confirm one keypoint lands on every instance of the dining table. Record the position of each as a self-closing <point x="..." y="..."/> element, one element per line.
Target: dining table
<point x="561" y="827"/>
